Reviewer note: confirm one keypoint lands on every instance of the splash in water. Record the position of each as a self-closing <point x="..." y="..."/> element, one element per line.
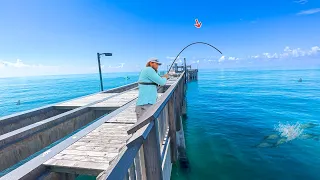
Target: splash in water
<point x="289" y="131"/>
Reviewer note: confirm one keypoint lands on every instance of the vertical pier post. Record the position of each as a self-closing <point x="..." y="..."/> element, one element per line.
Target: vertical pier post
<point x="172" y="128"/>
<point x="152" y="155"/>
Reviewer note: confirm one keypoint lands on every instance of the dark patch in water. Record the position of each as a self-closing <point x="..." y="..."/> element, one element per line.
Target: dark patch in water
<point x="183" y="160"/>
<point x="184" y="164"/>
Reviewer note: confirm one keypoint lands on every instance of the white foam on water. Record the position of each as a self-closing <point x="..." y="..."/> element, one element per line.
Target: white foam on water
<point x="289" y="131"/>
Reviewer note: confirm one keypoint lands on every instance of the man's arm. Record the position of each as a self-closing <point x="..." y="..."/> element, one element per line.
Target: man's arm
<point x="154" y="77"/>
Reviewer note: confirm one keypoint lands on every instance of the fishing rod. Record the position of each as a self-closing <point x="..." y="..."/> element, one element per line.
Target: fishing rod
<point x="191" y="45"/>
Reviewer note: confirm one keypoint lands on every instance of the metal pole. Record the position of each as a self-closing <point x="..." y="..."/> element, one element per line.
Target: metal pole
<point x="101" y="84"/>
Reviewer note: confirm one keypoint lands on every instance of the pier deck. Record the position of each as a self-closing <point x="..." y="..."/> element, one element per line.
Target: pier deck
<point x="93" y="153"/>
<point x="99" y="135"/>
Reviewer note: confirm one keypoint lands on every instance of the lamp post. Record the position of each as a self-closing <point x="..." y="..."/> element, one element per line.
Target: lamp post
<point x="98" y="55"/>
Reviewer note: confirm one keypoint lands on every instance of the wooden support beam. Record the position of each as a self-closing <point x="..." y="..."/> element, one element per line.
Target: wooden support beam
<point x="137" y="165"/>
<point x="143" y="164"/>
<point x="132" y="172"/>
<point x="172" y="128"/>
<point x="177" y="108"/>
<point x="152" y="155"/>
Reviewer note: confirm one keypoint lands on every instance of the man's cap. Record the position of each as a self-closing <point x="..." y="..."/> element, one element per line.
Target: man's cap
<point x="154" y="60"/>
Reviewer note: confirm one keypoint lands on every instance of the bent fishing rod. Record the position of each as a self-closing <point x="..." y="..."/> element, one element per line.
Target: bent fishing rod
<point x="183" y="50"/>
<point x="191" y="45"/>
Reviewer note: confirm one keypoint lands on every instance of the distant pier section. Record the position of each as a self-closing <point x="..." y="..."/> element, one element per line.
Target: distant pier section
<point x="98" y="135"/>
<point x="191" y="74"/>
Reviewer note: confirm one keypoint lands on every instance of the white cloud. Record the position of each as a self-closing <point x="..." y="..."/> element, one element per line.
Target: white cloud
<point x="19" y="68"/>
<point x="20" y="64"/>
<point x="267" y="55"/>
<point x="115" y="67"/>
<point x="222" y="59"/>
<point x="195" y="62"/>
<point x="172" y="58"/>
<point x="178" y="60"/>
<point x="310" y="11"/>
<point x="293" y="52"/>
<point x="288" y="52"/>
<point x="299" y="52"/>
<point x="233" y="58"/>
<point x="301" y="1"/>
<point x="255" y="57"/>
<point x="314" y="50"/>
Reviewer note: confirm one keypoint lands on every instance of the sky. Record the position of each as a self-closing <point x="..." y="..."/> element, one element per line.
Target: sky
<point x="63" y="37"/>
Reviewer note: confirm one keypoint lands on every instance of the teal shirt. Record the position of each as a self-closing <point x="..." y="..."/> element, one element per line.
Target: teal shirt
<point x="148" y="93"/>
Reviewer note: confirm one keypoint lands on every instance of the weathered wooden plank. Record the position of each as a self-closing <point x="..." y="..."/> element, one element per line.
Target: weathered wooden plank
<point x="137" y="165"/>
<point x="78" y="167"/>
<point x="164" y="143"/>
<point x="101" y="144"/>
<point x="95" y="148"/>
<point x="112" y="125"/>
<point x="83" y="158"/>
<point x="89" y="153"/>
<point x="77" y="164"/>
<point x="107" y="129"/>
<point x="109" y="141"/>
<point x="152" y="155"/>
<point x="105" y="138"/>
<point x="109" y="133"/>
<point x="132" y="172"/>
<point x="142" y="162"/>
<point x="172" y="128"/>
<point x="167" y="163"/>
<point x="118" y="101"/>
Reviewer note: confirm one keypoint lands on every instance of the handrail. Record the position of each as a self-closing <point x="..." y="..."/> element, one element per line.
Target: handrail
<point x="155" y="109"/>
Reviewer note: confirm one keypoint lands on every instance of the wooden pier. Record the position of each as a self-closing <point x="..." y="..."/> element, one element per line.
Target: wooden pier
<point x="97" y="135"/>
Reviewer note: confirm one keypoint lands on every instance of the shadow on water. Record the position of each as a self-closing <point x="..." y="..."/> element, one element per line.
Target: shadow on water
<point x="182" y="166"/>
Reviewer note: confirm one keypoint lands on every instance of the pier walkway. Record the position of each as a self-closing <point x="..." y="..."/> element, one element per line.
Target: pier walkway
<point x="97" y="135"/>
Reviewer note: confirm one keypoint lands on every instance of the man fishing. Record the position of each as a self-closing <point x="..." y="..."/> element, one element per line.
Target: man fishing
<point x="149" y="80"/>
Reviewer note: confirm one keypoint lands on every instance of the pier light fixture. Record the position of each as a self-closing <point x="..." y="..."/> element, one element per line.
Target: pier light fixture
<point x="98" y="56"/>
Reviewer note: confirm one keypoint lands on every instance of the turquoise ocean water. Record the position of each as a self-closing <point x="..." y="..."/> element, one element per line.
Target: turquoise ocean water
<point x="229" y="114"/>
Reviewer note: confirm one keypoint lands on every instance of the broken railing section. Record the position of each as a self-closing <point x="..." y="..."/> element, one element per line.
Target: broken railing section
<point x="153" y="148"/>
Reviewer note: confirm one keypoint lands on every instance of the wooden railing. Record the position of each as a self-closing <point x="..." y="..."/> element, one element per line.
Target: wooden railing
<point x="152" y="148"/>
